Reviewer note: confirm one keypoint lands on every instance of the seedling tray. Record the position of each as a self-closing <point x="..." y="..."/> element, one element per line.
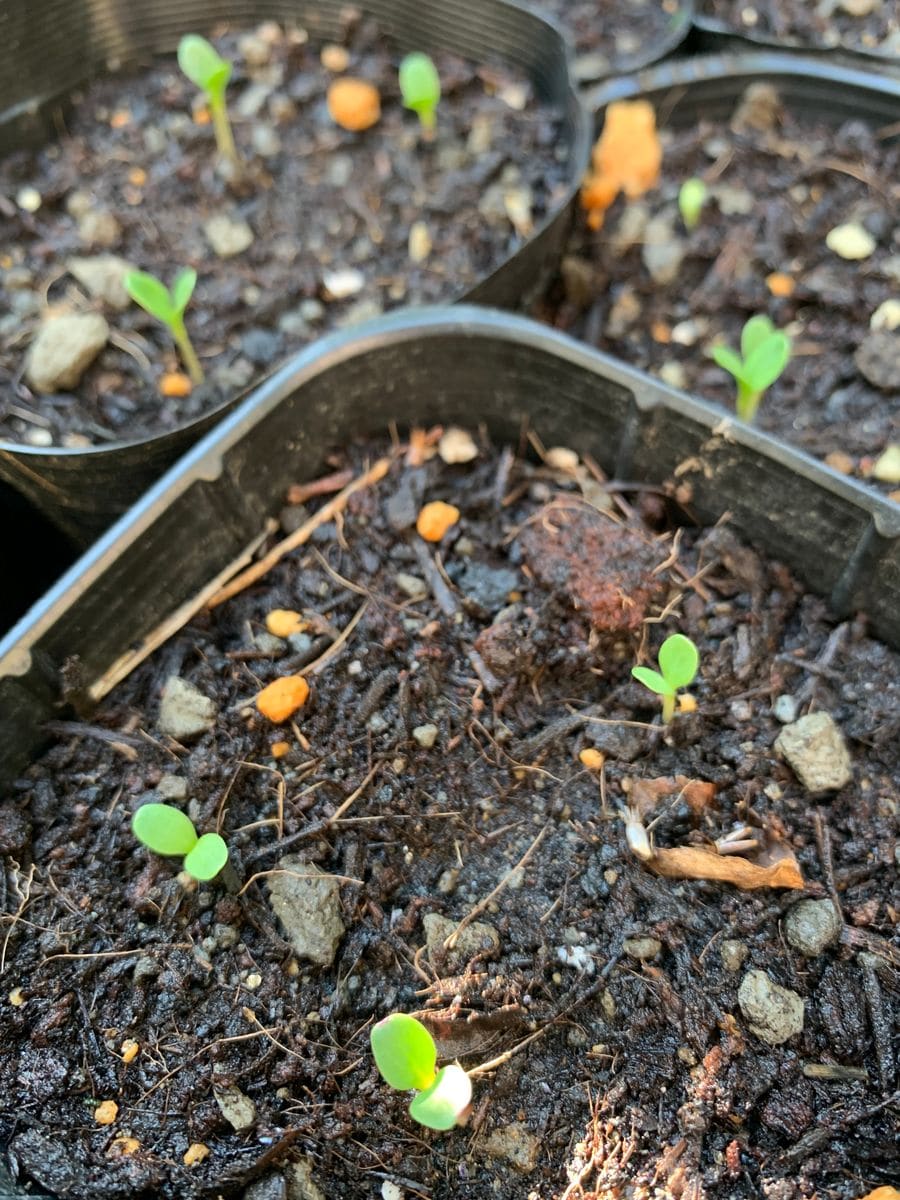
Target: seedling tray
<point x="56" y="47"/>
<point x="460" y="365"/>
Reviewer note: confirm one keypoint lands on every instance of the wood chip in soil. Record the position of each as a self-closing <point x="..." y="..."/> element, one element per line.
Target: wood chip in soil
<point x="328" y="228"/>
<point x="647" y="1075"/>
<point x="778" y="184"/>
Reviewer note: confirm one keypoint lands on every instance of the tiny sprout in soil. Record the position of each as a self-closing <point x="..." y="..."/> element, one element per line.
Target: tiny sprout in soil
<point x="420" y="87"/>
<point x="168" y="306"/>
<point x="168" y="831"/>
<point x="208" y="71"/>
<point x="406" y="1056"/>
<point x="764" y="354"/>
<point x="691" y="198"/>
<point x="678" y="663"/>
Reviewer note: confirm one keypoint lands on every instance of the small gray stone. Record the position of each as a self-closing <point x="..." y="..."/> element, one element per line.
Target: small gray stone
<point x="103" y="276"/>
<point x="476" y="938"/>
<point x="878" y="359"/>
<point x="733" y="954"/>
<point x="772" y="1012"/>
<point x="270" y="1187"/>
<point x="663" y="251"/>
<point x="266" y="141"/>
<point x="255" y="51"/>
<point x="226" y="936"/>
<point x="300" y="1182"/>
<point x="99" y="228"/>
<point x="184" y="712"/>
<point x="642" y="948"/>
<point x="785" y="709"/>
<point x="172" y="787"/>
<point x="411" y="585"/>
<point x="426" y="735"/>
<point x="237" y="1109"/>
<point x="251" y="100"/>
<point x="515" y="1144"/>
<point x="812" y="925"/>
<point x="228" y="236"/>
<point x="815" y="748"/>
<point x="312" y="310"/>
<point x="269" y="643"/>
<point x="362" y="310"/>
<point x="261" y="346"/>
<point x="63" y="350"/>
<point x="309" y="909"/>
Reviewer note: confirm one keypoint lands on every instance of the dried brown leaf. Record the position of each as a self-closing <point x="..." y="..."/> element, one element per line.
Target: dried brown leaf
<point x="646" y="794"/>
<point x="696" y="862"/>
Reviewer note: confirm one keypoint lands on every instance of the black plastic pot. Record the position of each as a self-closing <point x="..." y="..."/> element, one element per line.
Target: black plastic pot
<point x="712" y="36"/>
<point x="35" y="554"/>
<point x="52" y="46"/>
<point x="652" y="51"/>
<point x="451" y="365"/>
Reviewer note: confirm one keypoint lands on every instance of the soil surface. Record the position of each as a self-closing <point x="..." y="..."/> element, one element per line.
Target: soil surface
<point x="335" y="226"/>
<point x="449" y="726"/>
<point x="610" y="37"/>
<point x="870" y="26"/>
<point x="649" y="291"/>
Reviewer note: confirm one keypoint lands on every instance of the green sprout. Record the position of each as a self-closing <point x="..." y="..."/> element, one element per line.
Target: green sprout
<point x="208" y="71"/>
<point x="406" y="1056"/>
<point x="168" y="306"/>
<point x="420" y="87"/>
<point x="678" y="663"/>
<point x="168" y="831"/>
<point x="764" y="354"/>
<point x="691" y="198"/>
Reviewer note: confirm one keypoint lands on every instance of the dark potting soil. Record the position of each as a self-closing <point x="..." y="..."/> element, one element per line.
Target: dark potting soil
<point x="327" y="229"/>
<point x="447" y="724"/>
<point x="647" y="290"/>
<point x="610" y="37"/>
<point x="871" y="26"/>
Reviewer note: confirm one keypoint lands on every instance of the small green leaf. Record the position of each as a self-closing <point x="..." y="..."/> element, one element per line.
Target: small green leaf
<point x="164" y="829"/>
<point x="678" y="661"/>
<point x="207" y="858"/>
<point x="652" y="680"/>
<point x="183" y="289"/>
<point x="204" y="67"/>
<point x="729" y="360"/>
<point x="404" y="1052"/>
<point x="441" y="1105"/>
<point x="766" y="361"/>
<point x="420" y="84"/>
<point x="151" y="295"/>
<point x="756" y="331"/>
<point x="691" y="198"/>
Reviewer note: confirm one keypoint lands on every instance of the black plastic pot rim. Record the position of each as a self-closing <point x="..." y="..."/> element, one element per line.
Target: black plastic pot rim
<point x="204" y="460"/>
<point x="681" y="72"/>
<point x="654" y="53"/>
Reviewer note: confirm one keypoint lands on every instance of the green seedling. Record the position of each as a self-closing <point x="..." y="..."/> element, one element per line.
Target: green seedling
<point x="764" y="354"/>
<point x="168" y="306"/>
<point x="406" y="1056"/>
<point x="420" y="87"/>
<point x="208" y="71"/>
<point x="691" y="198"/>
<point x="168" y="831"/>
<point x="678" y="663"/>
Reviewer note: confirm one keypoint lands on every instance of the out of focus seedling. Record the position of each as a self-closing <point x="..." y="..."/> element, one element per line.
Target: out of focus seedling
<point x="168" y="306"/>
<point x="765" y="352"/>
<point x="420" y="87"/>
<point x="168" y="831"/>
<point x="678" y="663"/>
<point x="208" y="71"/>
<point x="691" y="198"/>
<point x="405" y="1054"/>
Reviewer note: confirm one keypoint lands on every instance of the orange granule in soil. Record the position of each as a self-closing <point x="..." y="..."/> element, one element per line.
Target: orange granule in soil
<point x="283" y="697"/>
<point x="353" y="104"/>
<point x="435" y="519"/>
<point x="626" y="158"/>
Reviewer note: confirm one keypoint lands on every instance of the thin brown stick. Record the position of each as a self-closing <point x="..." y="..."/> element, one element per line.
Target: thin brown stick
<point x="297" y="875"/>
<point x="300" y="536"/>
<point x="354" y="796"/>
<point x="124" y="665"/>
<point x="451" y="938"/>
